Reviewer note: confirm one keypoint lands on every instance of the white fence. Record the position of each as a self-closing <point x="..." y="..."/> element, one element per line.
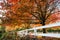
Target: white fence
<point x="25" y="32"/>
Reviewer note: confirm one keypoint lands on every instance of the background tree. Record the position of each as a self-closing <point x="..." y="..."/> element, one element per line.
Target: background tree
<point x="43" y="9"/>
<point x="13" y="15"/>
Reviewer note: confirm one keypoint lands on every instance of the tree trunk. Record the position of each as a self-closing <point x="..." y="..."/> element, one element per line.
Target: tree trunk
<point x="44" y="30"/>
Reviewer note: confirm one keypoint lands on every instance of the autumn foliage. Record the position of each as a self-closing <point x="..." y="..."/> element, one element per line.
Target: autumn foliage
<point x="28" y="11"/>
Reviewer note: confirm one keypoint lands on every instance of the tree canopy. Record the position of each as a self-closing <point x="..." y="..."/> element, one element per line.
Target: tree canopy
<point x="29" y="11"/>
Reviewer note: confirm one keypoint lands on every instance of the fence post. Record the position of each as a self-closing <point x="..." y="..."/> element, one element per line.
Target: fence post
<point x="26" y="32"/>
<point x="35" y="31"/>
